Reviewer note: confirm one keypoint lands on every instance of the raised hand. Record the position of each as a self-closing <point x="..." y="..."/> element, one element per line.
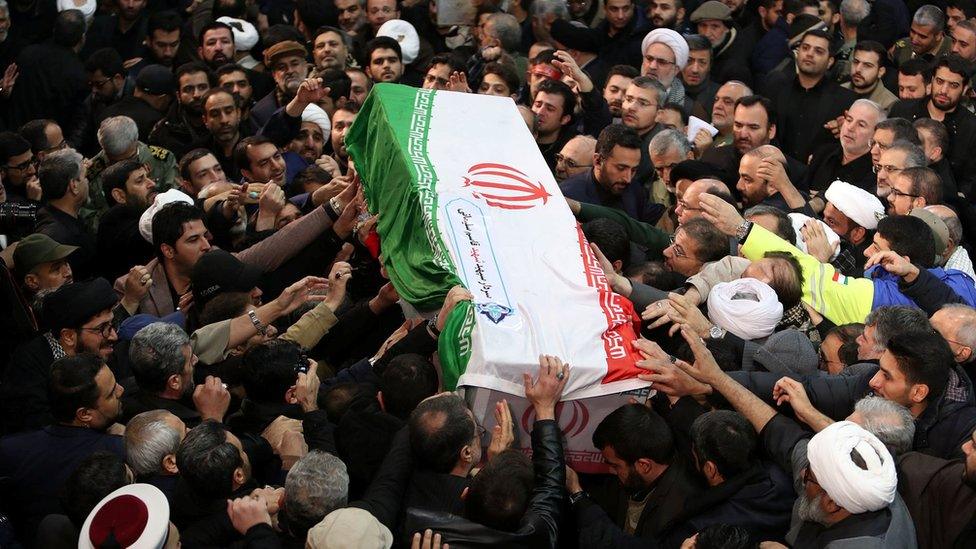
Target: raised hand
<point x="547" y="389"/>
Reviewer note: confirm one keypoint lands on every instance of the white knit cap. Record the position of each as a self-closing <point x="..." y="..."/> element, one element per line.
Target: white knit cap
<point x="855" y="489"/>
<point x="746" y="307"/>
<point x="314" y="113"/>
<point x="405" y="34"/>
<point x="670" y="39"/>
<point x="162" y="199"/>
<point x="245" y="35"/>
<point x="858" y="205"/>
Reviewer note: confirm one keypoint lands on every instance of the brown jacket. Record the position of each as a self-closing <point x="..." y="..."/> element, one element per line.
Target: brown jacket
<point x="941" y="504"/>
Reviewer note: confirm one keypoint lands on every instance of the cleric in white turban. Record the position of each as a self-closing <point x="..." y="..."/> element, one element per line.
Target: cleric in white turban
<point x="858" y="205"/>
<point x="665" y="55"/>
<point x="745" y="307"/>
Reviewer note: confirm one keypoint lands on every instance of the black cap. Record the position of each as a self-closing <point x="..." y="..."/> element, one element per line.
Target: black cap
<point x="74" y="304"/>
<point x="574" y="36"/>
<point x="156" y="80"/>
<point x="219" y="271"/>
<point x="694" y="170"/>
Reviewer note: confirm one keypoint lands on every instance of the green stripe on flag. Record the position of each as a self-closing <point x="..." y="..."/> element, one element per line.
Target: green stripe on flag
<point x="454" y="344"/>
<point x="388" y="143"/>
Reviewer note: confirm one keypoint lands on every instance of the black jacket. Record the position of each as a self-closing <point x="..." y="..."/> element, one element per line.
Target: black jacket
<point x="119" y="244"/>
<point x="23" y="392"/>
<point x="52" y="83"/>
<point x="826" y="166"/>
<point x="177" y="132"/>
<point x="67" y="229"/>
<point x="540" y="524"/>
<point x="139" y="401"/>
<point x="144" y="115"/>
<point x="940" y="430"/>
<point x="961" y="126"/>
<point x="802" y="113"/>
<point x="675" y="489"/>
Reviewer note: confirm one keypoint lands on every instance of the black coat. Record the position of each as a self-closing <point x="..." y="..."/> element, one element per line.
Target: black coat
<point x="52" y="84"/>
<point x="802" y="113"/>
<point x="23" y="392"/>
<point x="35" y="465"/>
<point x="66" y="229"/>
<point x="120" y="245"/>
<point x="144" y="115"/>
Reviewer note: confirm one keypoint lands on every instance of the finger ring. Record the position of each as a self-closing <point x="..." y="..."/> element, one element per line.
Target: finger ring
<point x="560" y="375"/>
<point x="672" y="359"/>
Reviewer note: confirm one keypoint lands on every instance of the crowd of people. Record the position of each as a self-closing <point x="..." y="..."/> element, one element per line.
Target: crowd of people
<point x="201" y="345"/>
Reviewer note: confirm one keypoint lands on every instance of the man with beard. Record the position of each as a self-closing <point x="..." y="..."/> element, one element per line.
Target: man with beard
<point x="655" y="483"/>
<point x="618" y="80"/>
<point x="183" y="129"/>
<point x="914" y="79"/>
<point x="807" y="99"/>
<point x="754" y="125"/>
<point x="611" y="182"/>
<point x="385" y="60"/>
<point x="129" y="191"/>
<point x="588" y="12"/>
<point x="867" y="69"/>
<point x="713" y="20"/>
<point x="643" y="99"/>
<point x="352" y="16"/>
<point x="850" y="159"/>
<point x="288" y="66"/>
<point x="699" y="86"/>
<point x="222" y="117"/>
<point x="330" y="49"/>
<point x="84" y="406"/>
<point x="665" y="56"/>
<point x="845" y="477"/>
<point x="754" y="188"/>
<point x="666" y="14"/>
<point x="310" y="141"/>
<point x="216" y="49"/>
<point x="341" y="122"/>
<point x="893" y="160"/>
<point x="931" y="487"/>
<point x="124" y="31"/>
<point x="233" y="79"/>
<point x="950" y="84"/>
<point x="926" y="37"/>
<point x="108" y="83"/>
<point x="65" y="188"/>
<point x="79" y="320"/>
<point x="553" y="104"/>
<point x="162" y="362"/>
<point x="723" y="110"/>
<point x="162" y="43"/>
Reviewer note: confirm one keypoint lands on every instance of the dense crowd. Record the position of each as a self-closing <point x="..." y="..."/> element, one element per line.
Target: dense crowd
<point x="201" y="345"/>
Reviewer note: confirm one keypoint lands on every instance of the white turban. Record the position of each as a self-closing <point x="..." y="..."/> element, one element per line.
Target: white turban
<point x="314" y="113"/>
<point x="856" y="490"/>
<point x="670" y="39"/>
<point x="405" y="34"/>
<point x="87" y="7"/>
<point x="245" y="35"/>
<point x="746" y="307"/>
<point x="162" y="199"/>
<point x="858" y="205"/>
<point x="799" y="220"/>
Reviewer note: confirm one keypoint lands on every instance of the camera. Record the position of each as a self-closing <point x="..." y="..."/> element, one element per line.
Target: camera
<point x="17" y="217"/>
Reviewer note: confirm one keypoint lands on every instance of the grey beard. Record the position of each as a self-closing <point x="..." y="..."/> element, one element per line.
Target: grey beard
<point x="808" y="510"/>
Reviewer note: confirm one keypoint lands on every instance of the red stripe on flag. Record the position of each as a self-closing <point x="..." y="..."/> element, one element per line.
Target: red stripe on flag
<point x="623" y="324"/>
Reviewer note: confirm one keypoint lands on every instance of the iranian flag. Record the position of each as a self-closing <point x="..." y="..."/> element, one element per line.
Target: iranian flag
<point x="465" y="197"/>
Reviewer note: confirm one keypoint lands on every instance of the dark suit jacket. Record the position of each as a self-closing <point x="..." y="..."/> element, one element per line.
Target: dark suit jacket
<point x="634" y="200"/>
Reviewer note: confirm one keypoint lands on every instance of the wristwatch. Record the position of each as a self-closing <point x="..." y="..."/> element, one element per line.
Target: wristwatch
<point x="716" y="333"/>
<point x="573" y="498"/>
<point x="432" y="326"/>
<point x="258" y="325"/>
<point x="742" y="231"/>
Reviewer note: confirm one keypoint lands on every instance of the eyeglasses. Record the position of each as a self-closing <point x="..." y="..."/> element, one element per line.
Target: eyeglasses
<point x="98" y="83"/>
<point x="890" y="170"/>
<point x="659" y="61"/>
<point x="60" y="146"/>
<point x="824" y="362"/>
<point x="569" y="162"/>
<point x="105" y="329"/>
<point x="23" y="166"/>
<point x="808" y="477"/>
<point x="896" y="193"/>
<point x="678" y="250"/>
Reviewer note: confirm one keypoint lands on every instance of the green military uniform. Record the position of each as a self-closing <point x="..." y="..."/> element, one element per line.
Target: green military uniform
<point x="162" y="170"/>
<point x="903" y="51"/>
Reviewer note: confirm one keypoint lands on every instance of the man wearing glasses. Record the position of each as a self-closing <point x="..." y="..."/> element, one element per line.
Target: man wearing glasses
<point x="914" y="188"/>
<point x="18" y="169"/>
<point x="575" y="157"/>
<point x="80" y="317"/>
<point x="900" y="155"/>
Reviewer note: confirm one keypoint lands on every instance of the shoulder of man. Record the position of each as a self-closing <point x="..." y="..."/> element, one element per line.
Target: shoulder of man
<point x="96" y="166"/>
<point x="160" y="154"/>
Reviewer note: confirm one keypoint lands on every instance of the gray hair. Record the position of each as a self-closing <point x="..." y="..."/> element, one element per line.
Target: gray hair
<point x="891" y="422"/>
<point x="4" y="7"/>
<point x="894" y="320"/>
<point x="57" y="170"/>
<point x="930" y="16"/>
<point x="156" y="353"/>
<point x="148" y="440"/>
<point x="315" y="486"/>
<point x="550" y="7"/>
<point x="507" y="30"/>
<point x="117" y="134"/>
<point x="914" y="155"/>
<point x="966" y="333"/>
<point x="670" y="140"/>
<point x="852" y="12"/>
<point x="648" y="83"/>
<point x="882" y="115"/>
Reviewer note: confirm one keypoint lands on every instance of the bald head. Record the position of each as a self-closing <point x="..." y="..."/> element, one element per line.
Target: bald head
<point x="689" y="207"/>
<point x="957" y="324"/>
<point x="575" y="157"/>
<point x="951" y="219"/>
